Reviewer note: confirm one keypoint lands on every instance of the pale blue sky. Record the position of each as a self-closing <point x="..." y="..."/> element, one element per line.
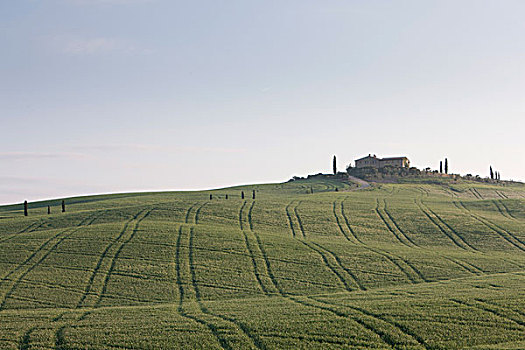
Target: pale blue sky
<point x="130" y="95"/>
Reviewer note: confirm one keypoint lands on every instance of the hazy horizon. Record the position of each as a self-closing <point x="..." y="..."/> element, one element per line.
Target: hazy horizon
<point x="108" y="96"/>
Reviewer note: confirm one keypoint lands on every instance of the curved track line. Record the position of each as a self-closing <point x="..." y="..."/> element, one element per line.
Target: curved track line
<point x="295" y="300"/>
<point x="187" y="218"/>
<point x="290" y="218"/>
<point x="352" y="276"/>
<point x="507" y="210"/>
<point x="337" y="221"/>
<point x="481" y="306"/>
<point x="61" y="236"/>
<point x="506" y="235"/>
<point x="198" y="211"/>
<point x="299" y="221"/>
<point x="180" y="285"/>
<point x="403" y="329"/>
<point x="347" y="222"/>
<point x="341" y="279"/>
<point x="397" y="226"/>
<point x="252" y="337"/>
<point x="42" y="246"/>
<point x="460" y="237"/>
<point x="249" y="248"/>
<point x="91" y="280"/>
<point x="117" y="254"/>
<point x="450" y="235"/>
<point x="383" y="219"/>
<point x="463" y="265"/>
<point x="501" y="211"/>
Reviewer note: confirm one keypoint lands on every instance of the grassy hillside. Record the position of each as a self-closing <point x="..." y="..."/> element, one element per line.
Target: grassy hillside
<point x="393" y="266"/>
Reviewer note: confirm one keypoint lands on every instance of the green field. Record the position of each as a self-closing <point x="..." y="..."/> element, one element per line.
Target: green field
<point x="392" y="266"/>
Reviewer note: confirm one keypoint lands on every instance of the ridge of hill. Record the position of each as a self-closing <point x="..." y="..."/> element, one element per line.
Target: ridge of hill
<point x="391" y="266"/>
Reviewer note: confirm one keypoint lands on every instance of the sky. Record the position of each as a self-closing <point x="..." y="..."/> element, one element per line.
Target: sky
<point x="103" y="96"/>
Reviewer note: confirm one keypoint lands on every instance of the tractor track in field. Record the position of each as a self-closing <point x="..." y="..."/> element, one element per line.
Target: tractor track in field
<point x="479" y="194"/>
<point x="296" y="300"/>
<point x="339" y="276"/>
<point x="29" y="228"/>
<point x="465" y="266"/>
<point x="182" y="293"/>
<point x="178" y="273"/>
<point x="483" y="307"/>
<point x="250" y="210"/>
<point x="397" y="226"/>
<point x="242" y="327"/>
<point x="340" y="226"/>
<point x="78" y="290"/>
<point x="249" y="248"/>
<point x="188" y="212"/>
<point x="501" y="307"/>
<point x="43" y="246"/>
<point x="501" y="211"/>
<point x="506" y="235"/>
<point x="445" y="224"/>
<point x="351" y="275"/>
<point x="13" y="235"/>
<point x="198" y="211"/>
<point x="290" y="218"/>
<point x="61" y="236"/>
<point x="295" y="220"/>
<point x="102" y="257"/>
<point x="501" y="195"/>
<point x="260" y="246"/>
<point x="507" y="210"/>
<point x="390" y="227"/>
<point x="299" y="221"/>
<point x="414" y="277"/>
<point x="476" y="194"/>
<point x="385" y="336"/>
<point x="180" y="285"/>
<point x="347" y="222"/>
<point x="118" y="251"/>
<point x="337" y="221"/>
<point x="441" y="225"/>
<point x="408" y="269"/>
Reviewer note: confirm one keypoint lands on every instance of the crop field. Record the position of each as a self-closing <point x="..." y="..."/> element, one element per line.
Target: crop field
<point x="391" y="266"/>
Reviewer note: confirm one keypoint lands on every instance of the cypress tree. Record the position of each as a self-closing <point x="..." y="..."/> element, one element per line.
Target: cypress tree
<point x="446" y="166"/>
<point x="491" y="173"/>
<point x="25" y="208"/>
<point x="63" y="206"/>
<point x="441" y="166"/>
<point x="334" y="165"/>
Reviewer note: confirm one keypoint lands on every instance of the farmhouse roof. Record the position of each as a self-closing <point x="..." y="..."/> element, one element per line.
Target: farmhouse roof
<point x="380" y="159"/>
<point x="394" y="158"/>
<point x="368" y="156"/>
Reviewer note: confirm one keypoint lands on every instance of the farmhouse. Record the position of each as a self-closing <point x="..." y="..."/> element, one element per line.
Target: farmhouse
<point x="373" y="161"/>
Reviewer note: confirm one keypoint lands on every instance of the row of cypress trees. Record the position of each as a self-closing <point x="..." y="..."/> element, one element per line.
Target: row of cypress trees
<point x="494" y="175"/>
<point x="242" y="195"/>
<point x="26" y="208"/>
<point x="441" y="166"/>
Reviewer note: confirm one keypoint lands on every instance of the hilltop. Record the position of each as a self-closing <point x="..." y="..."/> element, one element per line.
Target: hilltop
<point x="407" y="265"/>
